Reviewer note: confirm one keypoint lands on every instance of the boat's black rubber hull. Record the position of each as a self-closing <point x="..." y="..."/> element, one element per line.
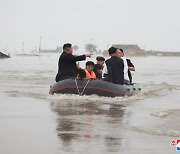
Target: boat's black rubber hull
<point x="94" y="87"/>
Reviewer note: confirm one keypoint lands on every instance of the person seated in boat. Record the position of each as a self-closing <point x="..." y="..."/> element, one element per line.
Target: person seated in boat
<point x="98" y="67"/>
<point x="67" y="67"/>
<point x="81" y="73"/>
<point x="98" y="71"/>
<point x="100" y="60"/>
<point x="115" y="67"/>
<point x="128" y="66"/>
<point x="89" y="70"/>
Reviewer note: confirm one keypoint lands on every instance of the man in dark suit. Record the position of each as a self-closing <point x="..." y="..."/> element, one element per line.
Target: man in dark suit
<point x="130" y="68"/>
<point x="115" y="67"/>
<point x="128" y="64"/>
<point x="67" y="66"/>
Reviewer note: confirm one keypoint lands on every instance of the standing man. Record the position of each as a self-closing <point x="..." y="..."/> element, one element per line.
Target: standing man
<point x="128" y="66"/>
<point x="67" y="66"/>
<point x="115" y="67"/>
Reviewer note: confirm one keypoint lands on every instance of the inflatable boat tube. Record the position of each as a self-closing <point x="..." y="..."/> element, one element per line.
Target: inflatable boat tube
<point x="92" y="87"/>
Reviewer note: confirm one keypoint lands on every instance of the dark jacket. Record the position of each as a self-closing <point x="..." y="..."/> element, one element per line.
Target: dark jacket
<point x="129" y="63"/>
<point x="115" y="67"/>
<point x="96" y="68"/>
<point x="67" y="66"/>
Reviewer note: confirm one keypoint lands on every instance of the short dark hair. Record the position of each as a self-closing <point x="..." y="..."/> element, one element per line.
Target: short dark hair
<point x="112" y="50"/>
<point x="82" y="73"/>
<point x="66" y="46"/>
<point x="99" y="58"/>
<point x="121" y="50"/>
<point x="98" y="67"/>
<point x="89" y="63"/>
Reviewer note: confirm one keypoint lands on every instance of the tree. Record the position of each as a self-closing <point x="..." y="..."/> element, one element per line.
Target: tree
<point x="91" y="48"/>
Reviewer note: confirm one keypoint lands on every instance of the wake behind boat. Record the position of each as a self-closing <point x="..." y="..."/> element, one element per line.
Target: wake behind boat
<point x="92" y="87"/>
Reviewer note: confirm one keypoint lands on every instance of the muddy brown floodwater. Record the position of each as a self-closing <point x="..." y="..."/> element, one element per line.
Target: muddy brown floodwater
<point x="32" y="121"/>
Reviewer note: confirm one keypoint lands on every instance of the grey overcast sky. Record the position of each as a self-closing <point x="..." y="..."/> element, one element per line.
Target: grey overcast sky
<point x="153" y="24"/>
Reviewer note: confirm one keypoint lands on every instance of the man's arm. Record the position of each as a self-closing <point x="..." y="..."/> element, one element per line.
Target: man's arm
<point x="131" y="68"/>
<point x="73" y="58"/>
<point x="78" y="58"/>
<point x="130" y="65"/>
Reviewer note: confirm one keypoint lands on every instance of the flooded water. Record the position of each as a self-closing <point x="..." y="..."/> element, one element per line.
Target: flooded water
<point x="32" y="121"/>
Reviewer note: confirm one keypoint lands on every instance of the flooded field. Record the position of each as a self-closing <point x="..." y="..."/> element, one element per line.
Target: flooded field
<point x="32" y="121"/>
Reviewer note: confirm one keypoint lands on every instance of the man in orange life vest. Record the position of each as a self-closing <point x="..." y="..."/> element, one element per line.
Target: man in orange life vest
<point x="89" y="70"/>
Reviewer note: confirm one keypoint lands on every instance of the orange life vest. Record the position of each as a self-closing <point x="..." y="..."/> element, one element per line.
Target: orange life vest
<point x="90" y="76"/>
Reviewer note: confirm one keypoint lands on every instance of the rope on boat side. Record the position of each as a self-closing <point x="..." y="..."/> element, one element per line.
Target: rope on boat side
<point x="81" y="93"/>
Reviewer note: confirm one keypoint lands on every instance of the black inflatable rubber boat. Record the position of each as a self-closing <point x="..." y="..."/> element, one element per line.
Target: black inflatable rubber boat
<point x="92" y="87"/>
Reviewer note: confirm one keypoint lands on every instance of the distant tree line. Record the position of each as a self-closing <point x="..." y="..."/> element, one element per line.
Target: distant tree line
<point x="91" y="48"/>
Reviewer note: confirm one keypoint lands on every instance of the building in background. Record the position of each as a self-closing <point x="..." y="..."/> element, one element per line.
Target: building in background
<point x="129" y="50"/>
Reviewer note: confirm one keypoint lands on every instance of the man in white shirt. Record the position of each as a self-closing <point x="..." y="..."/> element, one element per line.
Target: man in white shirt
<point x="104" y="71"/>
<point x="128" y="66"/>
